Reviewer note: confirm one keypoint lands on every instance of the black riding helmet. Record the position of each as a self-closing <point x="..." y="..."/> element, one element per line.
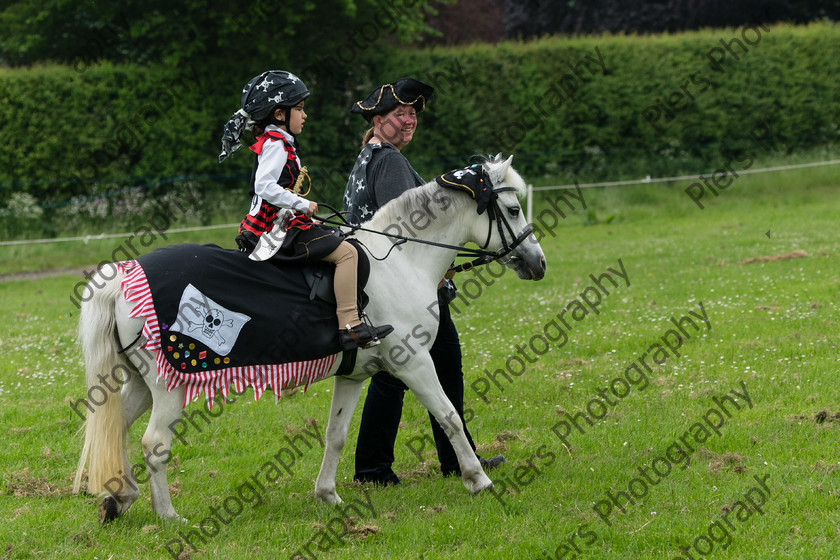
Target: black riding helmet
<point x="272" y="89"/>
<point x="260" y="97"/>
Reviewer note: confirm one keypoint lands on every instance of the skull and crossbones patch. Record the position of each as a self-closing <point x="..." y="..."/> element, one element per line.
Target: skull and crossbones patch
<point x="208" y="322"/>
<point x="214" y="320"/>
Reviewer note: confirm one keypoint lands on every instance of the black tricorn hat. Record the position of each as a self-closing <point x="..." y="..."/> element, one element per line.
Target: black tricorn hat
<point x="405" y="91"/>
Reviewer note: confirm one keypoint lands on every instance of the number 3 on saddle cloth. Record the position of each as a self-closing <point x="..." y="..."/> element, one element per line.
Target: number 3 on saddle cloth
<point x="218" y="318"/>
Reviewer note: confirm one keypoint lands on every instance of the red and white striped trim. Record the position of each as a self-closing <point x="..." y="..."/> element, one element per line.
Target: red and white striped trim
<point x="276" y="377"/>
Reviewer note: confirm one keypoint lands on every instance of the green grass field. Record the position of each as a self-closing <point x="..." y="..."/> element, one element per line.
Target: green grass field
<point x="772" y="329"/>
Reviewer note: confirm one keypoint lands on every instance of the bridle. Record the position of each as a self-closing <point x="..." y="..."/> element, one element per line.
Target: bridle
<point x="495" y="214"/>
<point x="482" y="255"/>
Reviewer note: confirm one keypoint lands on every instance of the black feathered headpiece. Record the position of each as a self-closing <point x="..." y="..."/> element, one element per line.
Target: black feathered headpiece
<point x="474" y="181"/>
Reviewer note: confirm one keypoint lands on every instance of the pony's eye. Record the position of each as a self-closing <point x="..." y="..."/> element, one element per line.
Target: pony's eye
<point x="513" y="211"/>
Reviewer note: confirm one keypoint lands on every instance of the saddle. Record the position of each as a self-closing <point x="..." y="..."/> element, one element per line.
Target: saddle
<point x="218" y="309"/>
<point x="319" y="276"/>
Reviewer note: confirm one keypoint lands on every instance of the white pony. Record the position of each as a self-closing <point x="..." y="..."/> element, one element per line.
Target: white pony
<point x="402" y="287"/>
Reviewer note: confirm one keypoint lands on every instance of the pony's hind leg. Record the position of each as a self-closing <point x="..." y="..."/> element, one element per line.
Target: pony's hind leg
<point x="103" y="453"/>
<point x="140" y="391"/>
<point x="136" y="399"/>
<point x="136" y="396"/>
<point x="167" y="408"/>
<point x="345" y="397"/>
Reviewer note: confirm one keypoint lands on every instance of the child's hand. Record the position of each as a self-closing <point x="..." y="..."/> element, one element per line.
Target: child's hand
<point x="313" y="207"/>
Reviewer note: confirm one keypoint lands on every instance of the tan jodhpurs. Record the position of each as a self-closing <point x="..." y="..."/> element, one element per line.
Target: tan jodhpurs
<point x="345" y="259"/>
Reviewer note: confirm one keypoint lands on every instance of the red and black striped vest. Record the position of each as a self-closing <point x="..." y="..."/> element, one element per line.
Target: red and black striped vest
<point x="263" y="220"/>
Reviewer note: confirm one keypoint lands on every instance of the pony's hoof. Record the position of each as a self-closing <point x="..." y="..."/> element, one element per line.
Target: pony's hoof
<point x="480" y="486"/>
<point x="329" y="497"/>
<point x="485" y="488"/>
<point x="108" y="510"/>
<point x="173" y="517"/>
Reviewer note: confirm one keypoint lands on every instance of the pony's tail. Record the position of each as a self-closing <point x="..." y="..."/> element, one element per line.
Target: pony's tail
<point x="105" y="426"/>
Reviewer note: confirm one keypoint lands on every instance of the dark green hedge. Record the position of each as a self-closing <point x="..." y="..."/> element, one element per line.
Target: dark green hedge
<point x="66" y="132"/>
<point x="788" y="79"/>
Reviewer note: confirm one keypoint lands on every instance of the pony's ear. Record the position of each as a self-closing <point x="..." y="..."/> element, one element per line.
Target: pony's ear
<point x="498" y="174"/>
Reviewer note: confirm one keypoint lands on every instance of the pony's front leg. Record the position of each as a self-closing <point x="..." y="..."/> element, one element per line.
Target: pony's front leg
<point x="345" y="396"/>
<point x="167" y="408"/>
<point x="419" y="376"/>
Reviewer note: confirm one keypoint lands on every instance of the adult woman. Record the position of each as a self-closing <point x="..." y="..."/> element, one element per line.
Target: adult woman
<point x="380" y="174"/>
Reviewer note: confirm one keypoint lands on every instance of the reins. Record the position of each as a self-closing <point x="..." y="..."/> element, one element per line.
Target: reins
<point x="402" y="239"/>
<point x="482" y="255"/>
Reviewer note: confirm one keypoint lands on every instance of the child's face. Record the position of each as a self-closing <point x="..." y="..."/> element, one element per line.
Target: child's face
<point x="297" y="116"/>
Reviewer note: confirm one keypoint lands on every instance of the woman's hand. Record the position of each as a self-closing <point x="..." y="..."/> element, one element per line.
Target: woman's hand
<point x="313" y="207"/>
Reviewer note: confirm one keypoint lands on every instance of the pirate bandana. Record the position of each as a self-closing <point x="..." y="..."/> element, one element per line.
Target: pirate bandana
<point x="260" y="96"/>
<point x="472" y="180"/>
<point x="405" y="91"/>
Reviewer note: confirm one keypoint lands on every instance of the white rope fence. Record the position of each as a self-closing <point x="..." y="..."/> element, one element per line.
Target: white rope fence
<point x="529" y="206"/>
<point x="87" y="238"/>
<point x="648" y="179"/>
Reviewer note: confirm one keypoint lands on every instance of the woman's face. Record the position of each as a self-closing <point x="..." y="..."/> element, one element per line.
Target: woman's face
<point x="396" y="126"/>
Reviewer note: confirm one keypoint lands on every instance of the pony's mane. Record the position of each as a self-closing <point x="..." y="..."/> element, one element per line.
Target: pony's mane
<point x="401" y="207"/>
<point x="423" y="196"/>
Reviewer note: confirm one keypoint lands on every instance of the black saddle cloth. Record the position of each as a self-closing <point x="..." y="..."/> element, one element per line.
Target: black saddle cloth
<point x="219" y="309"/>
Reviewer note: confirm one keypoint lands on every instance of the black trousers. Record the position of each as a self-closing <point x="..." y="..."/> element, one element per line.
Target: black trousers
<point x="383" y="409"/>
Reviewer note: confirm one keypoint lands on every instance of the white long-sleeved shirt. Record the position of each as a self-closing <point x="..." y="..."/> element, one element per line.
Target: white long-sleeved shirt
<point x="270" y="165"/>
